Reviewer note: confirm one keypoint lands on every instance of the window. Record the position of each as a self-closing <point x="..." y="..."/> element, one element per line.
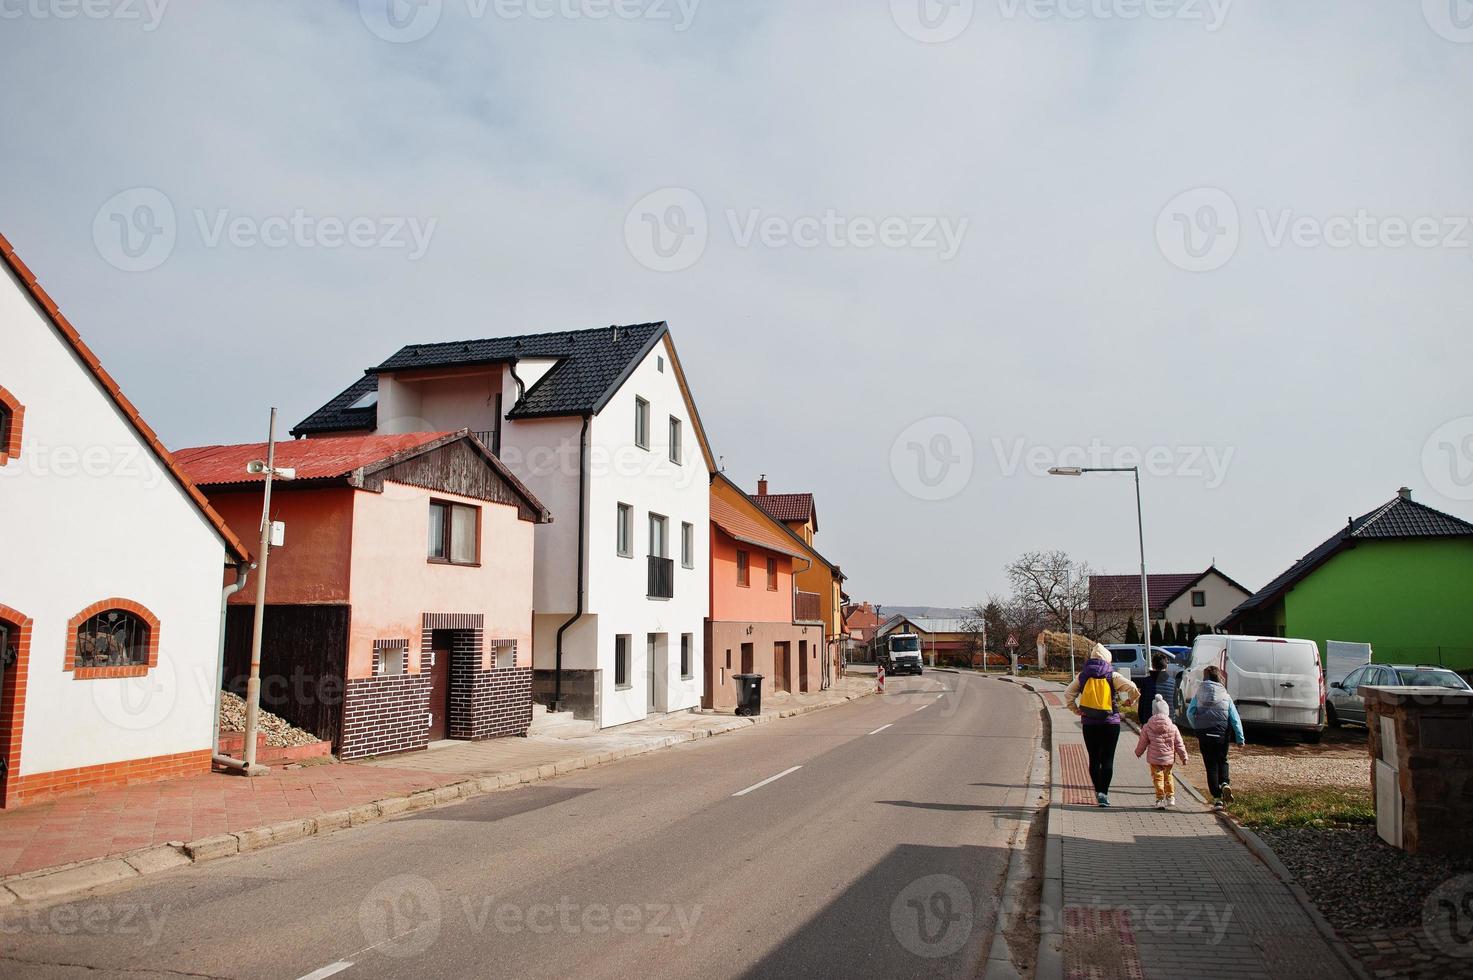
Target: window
<point x="11" y="415"/>
<point x="110" y="637"/>
<point x="659" y="364"/>
<point x="744" y="577"/>
<point x="659" y="536"/>
<point x="688" y="545"/>
<point x="503" y="654"/>
<point x="772" y="575"/>
<point x="455" y="533"/>
<point x="685" y="660"/>
<point x="621" y="662"/>
<point x="675" y="452"/>
<point x="641" y="423"/>
<point x="391" y="657"/>
<point x="1199" y="600"/>
<point x="625" y="532"/>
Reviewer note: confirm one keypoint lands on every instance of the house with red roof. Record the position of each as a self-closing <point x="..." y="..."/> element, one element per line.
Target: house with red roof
<point x="110" y="571"/>
<point x="399" y="608"/>
<point x="758" y="622"/>
<point x="1186" y="600"/>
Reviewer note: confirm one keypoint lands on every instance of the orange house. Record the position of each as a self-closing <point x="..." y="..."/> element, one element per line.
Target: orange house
<point x="820" y="583"/>
<point x="399" y="606"/>
<point x="755" y="626"/>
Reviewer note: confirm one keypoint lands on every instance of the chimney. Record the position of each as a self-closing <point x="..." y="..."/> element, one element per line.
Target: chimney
<point x="614" y="329"/>
<point x="762" y="485"/>
<point x="1405" y="493"/>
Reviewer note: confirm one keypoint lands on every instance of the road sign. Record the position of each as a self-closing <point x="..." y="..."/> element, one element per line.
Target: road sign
<point x="1012" y="640"/>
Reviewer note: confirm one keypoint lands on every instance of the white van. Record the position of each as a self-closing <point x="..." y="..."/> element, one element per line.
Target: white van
<point x="1275" y="682"/>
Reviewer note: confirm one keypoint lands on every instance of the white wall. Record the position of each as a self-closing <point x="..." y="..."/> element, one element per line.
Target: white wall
<point x="459" y="400"/>
<point x="1222" y="598"/>
<point x="618" y="587"/>
<point x="543" y="453"/>
<point x="91" y="515"/>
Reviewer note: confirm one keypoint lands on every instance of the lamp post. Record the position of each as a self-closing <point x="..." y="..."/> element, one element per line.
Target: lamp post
<point x="1141" y="535"/>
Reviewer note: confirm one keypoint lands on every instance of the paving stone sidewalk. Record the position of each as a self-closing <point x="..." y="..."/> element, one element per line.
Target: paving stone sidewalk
<point x="1143" y="893"/>
<point x="107" y="823"/>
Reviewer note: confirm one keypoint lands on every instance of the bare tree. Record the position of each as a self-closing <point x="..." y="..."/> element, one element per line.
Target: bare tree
<point x="1051" y="584"/>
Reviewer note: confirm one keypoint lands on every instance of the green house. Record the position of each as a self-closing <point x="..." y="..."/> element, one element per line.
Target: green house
<point x="1399" y="578"/>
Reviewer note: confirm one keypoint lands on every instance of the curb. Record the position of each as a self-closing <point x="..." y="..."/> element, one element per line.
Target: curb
<point x="999" y="965"/>
<point x="1264" y="853"/>
<point x="51" y="883"/>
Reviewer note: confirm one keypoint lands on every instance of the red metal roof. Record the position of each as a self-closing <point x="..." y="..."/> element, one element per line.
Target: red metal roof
<point x="313" y="459"/>
<point x="787" y="506"/>
<point x="84" y="353"/>
<point x="1123" y="592"/>
<point x="750" y="531"/>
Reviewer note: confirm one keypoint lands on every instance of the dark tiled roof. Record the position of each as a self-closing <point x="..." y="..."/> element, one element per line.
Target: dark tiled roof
<point x="1401" y="517"/>
<point x="1117" y="592"/>
<point x="787" y="506"/>
<point x="592" y="364"/>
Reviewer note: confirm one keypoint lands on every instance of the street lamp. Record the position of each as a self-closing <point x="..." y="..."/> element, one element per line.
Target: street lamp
<point x="1140" y="532"/>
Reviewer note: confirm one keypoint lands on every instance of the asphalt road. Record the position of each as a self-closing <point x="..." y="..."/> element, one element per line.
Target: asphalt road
<point x="867" y="840"/>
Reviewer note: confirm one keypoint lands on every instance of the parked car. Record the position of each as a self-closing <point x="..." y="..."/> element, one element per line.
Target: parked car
<point x="1344" y="703"/>
<point x="1276" y="682"/>
<point x="1131" y="658"/>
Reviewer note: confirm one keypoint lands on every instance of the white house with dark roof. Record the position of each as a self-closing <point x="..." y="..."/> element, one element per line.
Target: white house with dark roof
<point x="601" y="426"/>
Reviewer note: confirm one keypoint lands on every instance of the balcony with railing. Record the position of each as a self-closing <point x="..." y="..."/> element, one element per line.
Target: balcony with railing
<point x="807" y="607"/>
<point x="662" y="578"/>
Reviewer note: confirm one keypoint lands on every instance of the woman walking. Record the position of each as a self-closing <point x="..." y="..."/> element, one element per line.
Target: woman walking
<point x="1159" y="681"/>
<point x="1215" y="718"/>
<point x="1096" y="696"/>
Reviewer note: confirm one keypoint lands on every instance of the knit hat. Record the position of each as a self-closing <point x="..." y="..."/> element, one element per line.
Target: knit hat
<point x="1160" y="707"/>
<point x="1100" y="653"/>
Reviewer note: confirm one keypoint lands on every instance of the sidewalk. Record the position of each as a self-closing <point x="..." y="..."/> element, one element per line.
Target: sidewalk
<point x="158" y="825"/>
<point x="1136" y="892"/>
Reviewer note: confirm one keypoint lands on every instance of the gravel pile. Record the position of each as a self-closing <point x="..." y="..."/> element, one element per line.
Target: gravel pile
<point x="279" y="733"/>
<point x="1357" y="881"/>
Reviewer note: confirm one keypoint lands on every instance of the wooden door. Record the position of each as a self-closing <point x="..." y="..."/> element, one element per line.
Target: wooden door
<point x="440" y="692"/>
<point x="782" y="667"/>
<point x="803" y="666"/>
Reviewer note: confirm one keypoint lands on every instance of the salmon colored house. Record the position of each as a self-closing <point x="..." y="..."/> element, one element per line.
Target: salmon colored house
<point x="399" y="607"/>
<point x="756" y="623"/>
<point x="820" y="582"/>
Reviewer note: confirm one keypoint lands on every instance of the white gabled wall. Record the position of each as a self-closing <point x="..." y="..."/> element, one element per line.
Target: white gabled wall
<point x="618" y="587"/>
<point x="90" y="514"/>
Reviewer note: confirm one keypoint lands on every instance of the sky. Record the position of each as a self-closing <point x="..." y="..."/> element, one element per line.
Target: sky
<point x="913" y="253"/>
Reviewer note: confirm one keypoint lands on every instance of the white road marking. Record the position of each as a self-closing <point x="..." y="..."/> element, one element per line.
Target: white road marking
<point x="941" y="695"/>
<point x="881" y="729"/>
<point x="923" y="707"/>
<point x="327" y="971"/>
<point x="769" y="779"/>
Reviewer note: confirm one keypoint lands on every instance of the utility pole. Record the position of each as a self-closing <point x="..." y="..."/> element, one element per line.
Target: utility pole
<point x="253" y="682"/>
<point x="1069" y="598"/>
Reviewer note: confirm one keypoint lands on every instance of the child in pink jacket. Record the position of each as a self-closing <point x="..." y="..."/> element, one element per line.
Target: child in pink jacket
<point x="1161" y="743"/>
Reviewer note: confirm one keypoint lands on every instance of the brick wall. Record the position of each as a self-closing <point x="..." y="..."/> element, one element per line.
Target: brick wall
<point x="487" y="703"/>
<point x="39" y="786"/>
<point x="385" y="714"/>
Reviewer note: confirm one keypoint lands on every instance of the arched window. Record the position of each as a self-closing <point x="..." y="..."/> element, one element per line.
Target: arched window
<point x="12" y="414"/>
<point x="112" y="638"/>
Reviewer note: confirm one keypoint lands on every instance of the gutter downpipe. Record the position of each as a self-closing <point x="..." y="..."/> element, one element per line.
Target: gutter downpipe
<point x="557" y="682"/>
<point x="242" y="572"/>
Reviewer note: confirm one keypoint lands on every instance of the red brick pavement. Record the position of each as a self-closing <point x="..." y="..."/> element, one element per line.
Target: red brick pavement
<point x="112" y="821"/>
<point x="1074" y="780"/>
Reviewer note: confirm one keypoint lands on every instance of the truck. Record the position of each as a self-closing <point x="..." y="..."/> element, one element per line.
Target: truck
<point x="902" y="654"/>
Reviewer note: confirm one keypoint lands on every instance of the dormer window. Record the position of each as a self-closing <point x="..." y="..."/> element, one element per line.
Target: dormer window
<point x="368" y="400"/>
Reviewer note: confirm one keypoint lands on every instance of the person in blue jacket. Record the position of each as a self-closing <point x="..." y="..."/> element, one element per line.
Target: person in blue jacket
<point x="1214" y="717"/>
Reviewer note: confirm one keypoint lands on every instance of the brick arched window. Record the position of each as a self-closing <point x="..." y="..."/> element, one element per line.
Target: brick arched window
<point x="112" y="638"/>
<point x="12" y="417"/>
